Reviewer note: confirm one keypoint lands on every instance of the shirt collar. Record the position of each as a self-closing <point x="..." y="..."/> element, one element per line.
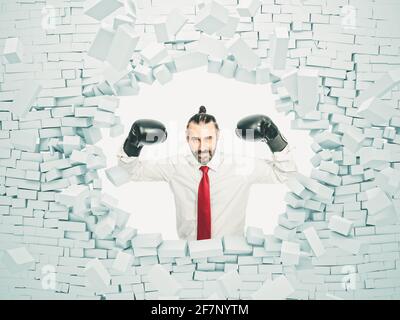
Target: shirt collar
<point x="213" y="164"/>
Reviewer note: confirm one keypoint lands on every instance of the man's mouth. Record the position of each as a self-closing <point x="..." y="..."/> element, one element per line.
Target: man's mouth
<point x="203" y="156"/>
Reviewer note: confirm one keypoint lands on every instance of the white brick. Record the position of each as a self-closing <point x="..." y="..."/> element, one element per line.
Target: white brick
<point x="25" y="98"/>
<point x="97" y="276"/>
<point x="388" y="180"/>
<point x="103" y="119"/>
<point x="100" y="46"/>
<point x="371" y="157"/>
<point x="144" y="74"/>
<point x="25" y="140"/>
<point x="290" y="253"/>
<point x="205" y="248"/>
<point x="108" y="103"/>
<point x="316" y="187"/>
<point x="166" y="29"/>
<point x="279" y="48"/>
<point x="211" y="46"/>
<point x="352" y="138"/>
<point x="283" y="233"/>
<point x="144" y="252"/>
<point x="296" y="214"/>
<point x="163" y="281"/>
<point x="211" y="18"/>
<point x="340" y="225"/>
<point x="147" y="240"/>
<point x="172" y="248"/>
<point x="124" y="237"/>
<point x="72" y="226"/>
<point x="377" y="200"/>
<point x="308" y="94"/>
<point x="277" y="289"/>
<point x="99" y="9"/>
<point x="162" y="74"/>
<point x="154" y="53"/>
<point x="296" y="187"/>
<point x="17" y="259"/>
<point x="379" y="87"/>
<point x="244" y="55"/>
<point x="122" y="47"/>
<point x="375" y="110"/>
<point x="245" y="75"/>
<point x="113" y="76"/>
<point x="72" y="195"/>
<point x="348" y="244"/>
<point x="314" y="241"/>
<point x="123" y="19"/>
<point x="248" y="8"/>
<point x="230" y="283"/>
<point x="229" y="29"/>
<point x="122" y="261"/>
<point x="13" y="50"/>
<point x="190" y="60"/>
<point x="289" y="81"/>
<point x="263" y="74"/>
<point x="236" y="245"/>
<point x="104" y="227"/>
<point x="228" y="68"/>
<point x="255" y="236"/>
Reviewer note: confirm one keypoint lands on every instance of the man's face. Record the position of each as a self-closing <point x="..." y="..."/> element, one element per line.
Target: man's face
<point x="202" y="139"/>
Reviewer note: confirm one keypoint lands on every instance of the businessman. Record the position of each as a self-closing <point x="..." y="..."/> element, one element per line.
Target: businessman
<point x="209" y="186"/>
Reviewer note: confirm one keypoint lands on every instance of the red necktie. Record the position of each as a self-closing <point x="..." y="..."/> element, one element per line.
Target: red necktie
<point x="204" y="207"/>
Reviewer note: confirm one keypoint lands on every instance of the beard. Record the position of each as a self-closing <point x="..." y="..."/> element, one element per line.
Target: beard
<point x="203" y="157"/>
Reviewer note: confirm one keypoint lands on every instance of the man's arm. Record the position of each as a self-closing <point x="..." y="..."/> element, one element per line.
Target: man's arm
<point x="277" y="170"/>
<point x="144" y="132"/>
<point x="146" y="170"/>
<point x="259" y="127"/>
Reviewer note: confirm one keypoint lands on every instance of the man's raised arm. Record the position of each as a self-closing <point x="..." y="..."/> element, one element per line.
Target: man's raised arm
<point x="261" y="128"/>
<point x="145" y="132"/>
<point x="277" y="170"/>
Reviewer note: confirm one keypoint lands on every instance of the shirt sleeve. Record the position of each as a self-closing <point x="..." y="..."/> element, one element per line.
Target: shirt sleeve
<point x="277" y="170"/>
<point x="146" y="170"/>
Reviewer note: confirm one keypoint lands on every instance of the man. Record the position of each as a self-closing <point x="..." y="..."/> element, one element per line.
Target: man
<point x="210" y="188"/>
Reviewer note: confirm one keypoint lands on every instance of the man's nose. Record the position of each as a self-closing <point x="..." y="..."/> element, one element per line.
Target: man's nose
<point x="204" y="146"/>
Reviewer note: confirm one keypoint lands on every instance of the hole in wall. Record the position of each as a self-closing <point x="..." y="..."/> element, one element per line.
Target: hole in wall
<point x="173" y="104"/>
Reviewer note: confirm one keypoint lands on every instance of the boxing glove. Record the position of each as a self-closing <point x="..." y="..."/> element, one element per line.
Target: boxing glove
<point x="144" y="132"/>
<point x="260" y="127"/>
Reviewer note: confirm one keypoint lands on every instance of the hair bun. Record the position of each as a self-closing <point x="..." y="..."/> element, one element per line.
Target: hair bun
<point x="202" y="109"/>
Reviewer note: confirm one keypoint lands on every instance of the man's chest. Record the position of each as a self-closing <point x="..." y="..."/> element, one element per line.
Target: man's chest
<point x="222" y="182"/>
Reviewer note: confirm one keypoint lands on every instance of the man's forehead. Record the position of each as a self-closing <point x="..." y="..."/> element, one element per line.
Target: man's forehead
<point x="205" y="129"/>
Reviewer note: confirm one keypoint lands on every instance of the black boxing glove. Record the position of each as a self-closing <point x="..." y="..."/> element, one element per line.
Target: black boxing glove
<point x="144" y="132"/>
<point x="260" y="127"/>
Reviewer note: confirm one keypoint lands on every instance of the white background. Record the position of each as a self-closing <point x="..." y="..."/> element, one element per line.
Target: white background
<point x="151" y="203"/>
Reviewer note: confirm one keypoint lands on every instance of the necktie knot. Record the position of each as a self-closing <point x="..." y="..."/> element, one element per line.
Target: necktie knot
<point x="204" y="169"/>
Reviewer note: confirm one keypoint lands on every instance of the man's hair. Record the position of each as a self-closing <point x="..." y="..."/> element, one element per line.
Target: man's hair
<point x="202" y="116"/>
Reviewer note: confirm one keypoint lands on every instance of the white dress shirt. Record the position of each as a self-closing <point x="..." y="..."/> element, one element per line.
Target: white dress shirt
<point x="231" y="177"/>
